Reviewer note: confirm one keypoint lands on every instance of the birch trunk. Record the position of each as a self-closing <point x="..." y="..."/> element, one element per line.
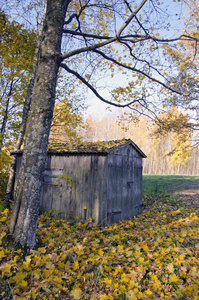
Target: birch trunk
<point x="26" y="108"/>
<point x="25" y="212"/>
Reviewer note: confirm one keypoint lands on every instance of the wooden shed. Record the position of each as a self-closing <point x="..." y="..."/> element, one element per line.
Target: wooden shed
<point x="101" y="180"/>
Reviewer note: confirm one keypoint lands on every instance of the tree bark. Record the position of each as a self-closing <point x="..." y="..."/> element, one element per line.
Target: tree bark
<point x="26" y="108"/>
<point x="5" y="117"/>
<point x="25" y="212"/>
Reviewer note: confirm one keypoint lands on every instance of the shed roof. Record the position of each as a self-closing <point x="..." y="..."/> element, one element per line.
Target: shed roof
<point x="103" y="147"/>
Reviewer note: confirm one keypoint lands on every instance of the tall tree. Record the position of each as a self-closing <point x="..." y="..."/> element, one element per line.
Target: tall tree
<point x="16" y="55"/>
<point x="91" y="29"/>
<point x="184" y="55"/>
<point x="28" y="190"/>
<point x="26" y="107"/>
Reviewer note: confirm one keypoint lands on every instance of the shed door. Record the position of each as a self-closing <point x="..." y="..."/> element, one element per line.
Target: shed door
<point x="120" y="201"/>
<point x="114" y="199"/>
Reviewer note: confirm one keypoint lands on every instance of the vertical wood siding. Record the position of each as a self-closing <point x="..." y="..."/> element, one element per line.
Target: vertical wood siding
<point x="106" y="188"/>
<point x="85" y="190"/>
<point x="124" y="199"/>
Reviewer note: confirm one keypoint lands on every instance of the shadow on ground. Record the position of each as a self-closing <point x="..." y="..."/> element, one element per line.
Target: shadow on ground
<point x="186" y="191"/>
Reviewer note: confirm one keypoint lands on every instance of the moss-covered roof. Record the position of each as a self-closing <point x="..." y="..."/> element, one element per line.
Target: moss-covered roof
<point x="101" y="147"/>
<point x="91" y="147"/>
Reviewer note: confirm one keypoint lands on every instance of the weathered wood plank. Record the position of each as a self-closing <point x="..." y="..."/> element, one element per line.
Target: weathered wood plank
<point x="106" y="188"/>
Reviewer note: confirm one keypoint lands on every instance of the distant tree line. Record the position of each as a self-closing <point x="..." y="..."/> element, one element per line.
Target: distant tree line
<point x="167" y="152"/>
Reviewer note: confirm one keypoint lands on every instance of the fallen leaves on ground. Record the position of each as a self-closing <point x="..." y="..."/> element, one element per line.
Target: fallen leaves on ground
<point x="155" y="255"/>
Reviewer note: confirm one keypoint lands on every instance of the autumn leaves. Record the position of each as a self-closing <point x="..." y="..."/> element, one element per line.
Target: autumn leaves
<point x="152" y="256"/>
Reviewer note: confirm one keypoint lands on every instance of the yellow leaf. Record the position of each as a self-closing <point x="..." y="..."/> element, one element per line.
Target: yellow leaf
<point x="2" y="253"/>
<point x="107" y="281"/>
<point x="43" y="249"/>
<point x="149" y="292"/>
<point x="170" y="268"/>
<point x="49" y="265"/>
<point x="173" y="278"/>
<point x="100" y="252"/>
<point x="5" y="268"/>
<point x="124" y="278"/>
<point x="19" y="277"/>
<point x="104" y="297"/>
<point x="25" y="265"/>
<point x="58" y="280"/>
<point x="123" y="288"/>
<point x="120" y="247"/>
<point x="28" y="258"/>
<point x="23" y="284"/>
<point x="76" y="293"/>
<point x="145" y="248"/>
<point x="141" y="259"/>
<point x="75" y="265"/>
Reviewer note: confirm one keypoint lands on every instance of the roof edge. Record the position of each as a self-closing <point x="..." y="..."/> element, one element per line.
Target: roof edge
<point x="129" y="142"/>
<point x="87" y="151"/>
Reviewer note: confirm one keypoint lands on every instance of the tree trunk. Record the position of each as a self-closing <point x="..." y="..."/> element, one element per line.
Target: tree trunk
<point x="26" y="108"/>
<point x="28" y="187"/>
<point x="5" y="118"/>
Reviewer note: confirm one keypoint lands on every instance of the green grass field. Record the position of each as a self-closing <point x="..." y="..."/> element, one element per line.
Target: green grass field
<point x="159" y="183"/>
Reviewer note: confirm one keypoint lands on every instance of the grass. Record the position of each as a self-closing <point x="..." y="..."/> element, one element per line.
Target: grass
<point x="159" y="183"/>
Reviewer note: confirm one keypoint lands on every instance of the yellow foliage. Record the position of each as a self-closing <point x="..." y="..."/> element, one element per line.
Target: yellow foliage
<point x="76" y="293"/>
<point x="173" y="278"/>
<point x="75" y="265"/>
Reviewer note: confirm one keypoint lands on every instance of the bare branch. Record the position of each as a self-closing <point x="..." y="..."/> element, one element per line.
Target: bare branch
<point x="88" y="48"/>
<point x="136" y="70"/>
<point x="99" y="37"/>
<point x="110" y="40"/>
<point x="94" y="90"/>
<point x="133" y="14"/>
<point x="182" y="37"/>
<point x="132" y="37"/>
<point x="127" y="38"/>
<point x="71" y="18"/>
<point x="143" y="60"/>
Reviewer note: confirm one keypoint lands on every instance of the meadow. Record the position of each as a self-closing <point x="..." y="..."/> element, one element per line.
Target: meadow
<point x="159" y="183"/>
<point x="154" y="255"/>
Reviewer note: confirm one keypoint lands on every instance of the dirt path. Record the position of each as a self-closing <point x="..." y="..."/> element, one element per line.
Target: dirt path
<point x="186" y="191"/>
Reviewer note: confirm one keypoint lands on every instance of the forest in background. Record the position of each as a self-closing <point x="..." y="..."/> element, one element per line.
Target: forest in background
<point x="167" y="152"/>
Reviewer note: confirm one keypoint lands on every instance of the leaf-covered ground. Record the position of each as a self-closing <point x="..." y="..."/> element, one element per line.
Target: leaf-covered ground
<point x="152" y="256"/>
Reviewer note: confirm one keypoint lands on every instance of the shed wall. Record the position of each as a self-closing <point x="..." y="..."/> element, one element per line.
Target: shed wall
<point x="80" y="184"/>
<point x="124" y="199"/>
<point x="109" y="186"/>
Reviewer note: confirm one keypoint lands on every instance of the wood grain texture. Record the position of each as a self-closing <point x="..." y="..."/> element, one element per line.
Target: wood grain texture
<point x="106" y="187"/>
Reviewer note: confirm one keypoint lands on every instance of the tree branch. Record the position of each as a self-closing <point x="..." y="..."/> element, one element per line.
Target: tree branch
<point x="99" y="37"/>
<point x="88" y="48"/>
<point x="182" y="37"/>
<point x="136" y="70"/>
<point x="133" y="14"/>
<point x="110" y="40"/>
<point x="142" y="60"/>
<point x="94" y="90"/>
